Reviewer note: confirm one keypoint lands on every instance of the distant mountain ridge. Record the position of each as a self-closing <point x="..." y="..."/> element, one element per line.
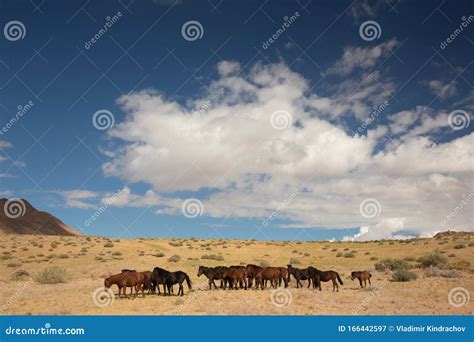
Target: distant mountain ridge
<point x="18" y="216"/>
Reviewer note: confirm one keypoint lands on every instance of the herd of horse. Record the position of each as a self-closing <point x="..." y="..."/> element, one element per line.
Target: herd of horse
<point x="230" y="277"/>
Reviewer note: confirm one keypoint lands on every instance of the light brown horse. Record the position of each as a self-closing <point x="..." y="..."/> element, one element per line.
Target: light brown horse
<point x="126" y="279"/>
<point x="363" y="276"/>
<point x="235" y="276"/>
<point x="268" y="273"/>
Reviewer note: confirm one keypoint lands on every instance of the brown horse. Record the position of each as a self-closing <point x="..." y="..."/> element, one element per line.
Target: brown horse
<point x="234" y="276"/>
<point x="363" y="276"/>
<point x="318" y="276"/>
<point x="283" y="276"/>
<point x="147" y="285"/>
<point x="272" y="274"/>
<point x="126" y="279"/>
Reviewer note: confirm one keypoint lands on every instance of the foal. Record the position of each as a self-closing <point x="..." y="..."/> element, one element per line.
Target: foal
<point x="363" y="276"/>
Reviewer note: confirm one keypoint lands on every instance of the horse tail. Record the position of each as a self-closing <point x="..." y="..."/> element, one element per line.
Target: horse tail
<point x="339" y="279"/>
<point x="188" y="281"/>
<point x="370" y="275"/>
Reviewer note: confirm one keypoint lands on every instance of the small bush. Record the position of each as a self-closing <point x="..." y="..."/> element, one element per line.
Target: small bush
<point x="175" y="243"/>
<point x="63" y="256"/>
<point x="436" y="272"/>
<point x="116" y="253"/>
<point x="349" y="255"/>
<point x="459" y="246"/>
<point x="392" y="265"/>
<point x="20" y="275"/>
<point x="213" y="257"/>
<point x="174" y="258"/>
<point x="264" y="263"/>
<point x="295" y="261"/>
<point x="409" y="258"/>
<point x="374" y="258"/>
<point x="460" y="265"/>
<point x="52" y="275"/>
<point x="108" y="244"/>
<point x="403" y="275"/>
<point x="434" y="259"/>
<point x="13" y="265"/>
<point x="339" y="254"/>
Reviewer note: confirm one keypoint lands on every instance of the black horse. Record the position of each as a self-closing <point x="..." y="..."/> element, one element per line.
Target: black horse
<point x="168" y="279"/>
<point x="213" y="273"/>
<point x="299" y="274"/>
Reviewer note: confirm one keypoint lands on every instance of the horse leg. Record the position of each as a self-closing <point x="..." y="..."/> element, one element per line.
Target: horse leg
<point x="370" y="283"/>
<point x="181" y="289"/>
<point x="360" y="282"/>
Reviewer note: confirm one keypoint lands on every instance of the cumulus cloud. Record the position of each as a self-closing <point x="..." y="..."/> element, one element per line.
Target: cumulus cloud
<point x="229" y="141"/>
<point x="78" y="198"/>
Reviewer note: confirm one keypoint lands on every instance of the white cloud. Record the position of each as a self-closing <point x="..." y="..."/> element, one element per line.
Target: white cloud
<point x="361" y="58"/>
<point x="443" y="90"/>
<point x="232" y="147"/>
<point x="226" y="68"/>
<point x="78" y="198"/>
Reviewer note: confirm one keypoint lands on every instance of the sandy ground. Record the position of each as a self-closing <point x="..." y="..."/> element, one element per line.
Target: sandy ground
<point x="88" y="262"/>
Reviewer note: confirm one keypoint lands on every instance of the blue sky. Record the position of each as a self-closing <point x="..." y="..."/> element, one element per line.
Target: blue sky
<point x="326" y="131"/>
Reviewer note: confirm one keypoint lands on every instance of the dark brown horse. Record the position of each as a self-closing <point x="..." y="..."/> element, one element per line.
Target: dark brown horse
<point x="126" y="279"/>
<point x="299" y="274"/>
<point x="147" y="285"/>
<point x="318" y="276"/>
<point x="212" y="273"/>
<point x="234" y="276"/>
<point x="252" y="272"/>
<point x="363" y="276"/>
<point x="283" y="276"/>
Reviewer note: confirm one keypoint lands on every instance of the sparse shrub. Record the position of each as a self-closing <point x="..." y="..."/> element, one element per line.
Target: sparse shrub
<point x="349" y="255"/>
<point x="213" y="257"/>
<point x="295" y="261"/>
<point x="20" y="275"/>
<point x="367" y="253"/>
<point x="54" y="244"/>
<point x="63" y="256"/>
<point x="403" y="275"/>
<point x="116" y="253"/>
<point x="452" y="255"/>
<point x="52" y="275"/>
<point x="174" y="258"/>
<point x="339" y="254"/>
<point x="459" y="246"/>
<point x="460" y="265"/>
<point x="436" y="272"/>
<point x="374" y="258"/>
<point x="392" y="265"/>
<point x="108" y="244"/>
<point x="434" y="259"/>
<point x="160" y="255"/>
<point x="264" y="263"/>
<point x="175" y="243"/>
<point x="409" y="258"/>
<point x="13" y="265"/>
